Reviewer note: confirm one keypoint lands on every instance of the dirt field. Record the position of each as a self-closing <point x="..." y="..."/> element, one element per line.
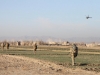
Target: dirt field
<point x="18" y="65"/>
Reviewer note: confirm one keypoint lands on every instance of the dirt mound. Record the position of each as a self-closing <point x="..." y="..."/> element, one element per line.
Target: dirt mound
<point x="18" y="65"/>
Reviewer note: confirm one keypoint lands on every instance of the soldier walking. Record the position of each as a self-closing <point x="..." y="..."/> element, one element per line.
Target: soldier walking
<point x="74" y="53"/>
<point x="7" y="45"/>
<point x="2" y="45"/>
<point x="35" y="48"/>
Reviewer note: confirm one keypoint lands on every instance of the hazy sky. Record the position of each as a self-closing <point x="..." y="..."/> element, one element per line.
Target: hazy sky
<point x="55" y="18"/>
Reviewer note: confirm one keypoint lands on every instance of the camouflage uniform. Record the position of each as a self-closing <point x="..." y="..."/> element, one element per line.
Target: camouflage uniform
<point x="35" y="48"/>
<point x="2" y="45"/>
<point x="74" y="53"/>
<point x="7" y="45"/>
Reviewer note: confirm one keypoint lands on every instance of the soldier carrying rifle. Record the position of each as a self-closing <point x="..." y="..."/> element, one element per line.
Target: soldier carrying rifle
<point x="74" y="53"/>
<point x="35" y="48"/>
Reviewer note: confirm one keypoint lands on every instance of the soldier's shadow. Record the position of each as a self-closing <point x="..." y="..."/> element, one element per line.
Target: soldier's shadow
<point x="83" y="64"/>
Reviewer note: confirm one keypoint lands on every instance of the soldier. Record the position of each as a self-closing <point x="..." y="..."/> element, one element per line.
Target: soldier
<point x="35" y="48"/>
<point x="74" y="53"/>
<point x="7" y="45"/>
<point x="2" y="45"/>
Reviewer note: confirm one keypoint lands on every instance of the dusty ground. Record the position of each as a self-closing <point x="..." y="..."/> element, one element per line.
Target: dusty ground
<point x="17" y="65"/>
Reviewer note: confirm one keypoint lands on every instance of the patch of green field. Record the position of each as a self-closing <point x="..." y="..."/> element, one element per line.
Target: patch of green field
<point x="61" y="56"/>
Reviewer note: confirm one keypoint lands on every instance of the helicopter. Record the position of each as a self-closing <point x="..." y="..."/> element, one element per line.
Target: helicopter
<point x="87" y="17"/>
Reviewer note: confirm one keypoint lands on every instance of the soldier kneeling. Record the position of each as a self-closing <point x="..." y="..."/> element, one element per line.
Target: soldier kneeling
<point x="74" y="53"/>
